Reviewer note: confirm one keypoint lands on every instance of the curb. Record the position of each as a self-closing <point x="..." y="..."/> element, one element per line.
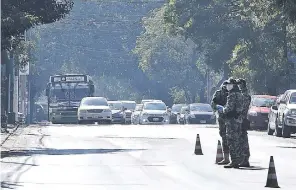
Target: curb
<point x="12" y="132"/>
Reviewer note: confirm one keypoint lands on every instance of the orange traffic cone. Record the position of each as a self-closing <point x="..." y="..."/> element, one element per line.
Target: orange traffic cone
<point x="198" y="150"/>
<point x="271" y="177"/>
<point x="219" y="156"/>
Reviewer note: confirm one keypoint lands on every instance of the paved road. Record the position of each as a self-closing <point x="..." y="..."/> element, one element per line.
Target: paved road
<point x="137" y="157"/>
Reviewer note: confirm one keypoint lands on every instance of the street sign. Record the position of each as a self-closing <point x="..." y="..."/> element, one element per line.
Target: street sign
<point x="24" y="69"/>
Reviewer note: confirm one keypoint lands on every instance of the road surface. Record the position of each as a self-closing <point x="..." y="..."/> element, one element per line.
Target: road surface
<point x="129" y="157"/>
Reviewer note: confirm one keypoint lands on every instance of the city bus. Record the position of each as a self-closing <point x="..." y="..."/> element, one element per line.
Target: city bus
<point x="64" y="93"/>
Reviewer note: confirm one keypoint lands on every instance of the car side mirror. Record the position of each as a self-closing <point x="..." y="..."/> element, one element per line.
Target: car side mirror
<point x="274" y="107"/>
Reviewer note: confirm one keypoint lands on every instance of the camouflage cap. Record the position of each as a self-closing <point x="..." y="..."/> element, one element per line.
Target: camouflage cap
<point x="231" y="81"/>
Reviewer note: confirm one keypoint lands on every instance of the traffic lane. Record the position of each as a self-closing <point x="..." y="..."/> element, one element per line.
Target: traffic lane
<point x="143" y="157"/>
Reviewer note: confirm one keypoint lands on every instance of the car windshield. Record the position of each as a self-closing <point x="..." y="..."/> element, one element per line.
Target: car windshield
<point x="293" y="98"/>
<point x="115" y="105"/>
<point x="201" y="108"/>
<point x="94" y="102"/>
<point x="177" y="107"/>
<point x="263" y="102"/>
<point x="155" y="106"/>
<point x="139" y="108"/>
<point x="129" y="105"/>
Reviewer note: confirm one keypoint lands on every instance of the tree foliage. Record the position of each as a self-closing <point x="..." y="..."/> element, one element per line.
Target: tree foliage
<point x="250" y="39"/>
<point x="17" y="16"/>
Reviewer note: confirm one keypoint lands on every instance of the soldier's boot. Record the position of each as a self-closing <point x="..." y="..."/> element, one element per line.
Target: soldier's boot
<point x="225" y="160"/>
<point x="245" y="162"/>
<point x="232" y="165"/>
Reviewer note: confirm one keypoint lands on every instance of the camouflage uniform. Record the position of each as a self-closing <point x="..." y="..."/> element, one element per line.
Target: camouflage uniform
<point x="233" y="120"/>
<point x="244" y="142"/>
<point x="220" y="98"/>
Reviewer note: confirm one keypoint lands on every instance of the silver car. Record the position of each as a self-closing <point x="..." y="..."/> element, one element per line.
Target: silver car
<point x="94" y="109"/>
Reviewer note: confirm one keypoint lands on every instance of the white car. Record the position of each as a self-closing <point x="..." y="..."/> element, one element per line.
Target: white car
<point x="286" y="114"/>
<point x="154" y="113"/>
<point x="94" y="109"/>
<point x="136" y="114"/>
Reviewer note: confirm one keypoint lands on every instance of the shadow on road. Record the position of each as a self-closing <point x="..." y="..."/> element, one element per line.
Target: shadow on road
<point x="50" y="151"/>
<point x="253" y="168"/>
<point x="286" y="146"/>
<point x="9" y="185"/>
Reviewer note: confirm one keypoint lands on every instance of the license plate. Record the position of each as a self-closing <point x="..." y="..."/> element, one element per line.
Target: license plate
<point x="203" y="121"/>
<point x="155" y="119"/>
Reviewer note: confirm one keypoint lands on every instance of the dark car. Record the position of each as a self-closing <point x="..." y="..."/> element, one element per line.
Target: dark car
<point x="117" y="110"/>
<point x="176" y="108"/>
<point x="200" y="113"/>
<point x="259" y="110"/>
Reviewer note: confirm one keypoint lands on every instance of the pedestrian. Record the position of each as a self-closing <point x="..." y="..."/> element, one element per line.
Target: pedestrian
<point x="220" y="98"/>
<point x="244" y="142"/>
<point x="233" y="121"/>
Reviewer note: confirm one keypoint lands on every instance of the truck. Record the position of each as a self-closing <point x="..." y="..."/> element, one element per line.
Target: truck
<point x="64" y="93"/>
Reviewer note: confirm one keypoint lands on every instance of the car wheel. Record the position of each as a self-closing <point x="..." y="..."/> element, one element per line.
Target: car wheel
<point x="286" y="131"/>
<point x="269" y="131"/>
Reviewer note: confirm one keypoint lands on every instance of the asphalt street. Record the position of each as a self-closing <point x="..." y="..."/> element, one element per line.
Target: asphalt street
<point x="134" y="157"/>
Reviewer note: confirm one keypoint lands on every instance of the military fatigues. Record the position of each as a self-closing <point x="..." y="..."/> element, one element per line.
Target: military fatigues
<point x="244" y="142"/>
<point x="220" y="98"/>
<point x="233" y="120"/>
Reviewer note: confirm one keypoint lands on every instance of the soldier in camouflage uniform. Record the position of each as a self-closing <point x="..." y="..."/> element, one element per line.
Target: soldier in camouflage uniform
<point x="244" y="142"/>
<point x="233" y="121"/>
<point x="220" y="98"/>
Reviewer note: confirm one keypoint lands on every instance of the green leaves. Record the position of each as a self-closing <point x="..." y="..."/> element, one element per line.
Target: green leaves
<point x="17" y="16"/>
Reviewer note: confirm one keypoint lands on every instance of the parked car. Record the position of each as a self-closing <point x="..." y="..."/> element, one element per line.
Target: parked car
<point x="200" y="113"/>
<point x="94" y="109"/>
<point x="136" y="114"/>
<point x="287" y="114"/>
<point x="154" y="113"/>
<point x="259" y="110"/>
<point x="129" y="107"/>
<point x="273" y="119"/>
<point x="176" y="108"/>
<point x="117" y="109"/>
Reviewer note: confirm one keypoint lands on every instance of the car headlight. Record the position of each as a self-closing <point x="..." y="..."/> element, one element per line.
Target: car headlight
<point x="213" y="117"/>
<point x="107" y="111"/>
<point x="82" y="111"/>
<point x="192" y="115"/>
<point x="145" y="114"/>
<point x="253" y="113"/>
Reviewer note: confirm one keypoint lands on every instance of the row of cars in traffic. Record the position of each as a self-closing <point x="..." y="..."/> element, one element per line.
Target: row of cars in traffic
<point x="276" y="114"/>
<point x="99" y="109"/>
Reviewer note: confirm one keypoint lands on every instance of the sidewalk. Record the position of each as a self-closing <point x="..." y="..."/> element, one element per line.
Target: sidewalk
<point x="5" y="135"/>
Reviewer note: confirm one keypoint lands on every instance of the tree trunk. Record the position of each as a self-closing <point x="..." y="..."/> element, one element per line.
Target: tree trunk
<point x="4" y="81"/>
<point x="202" y="96"/>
